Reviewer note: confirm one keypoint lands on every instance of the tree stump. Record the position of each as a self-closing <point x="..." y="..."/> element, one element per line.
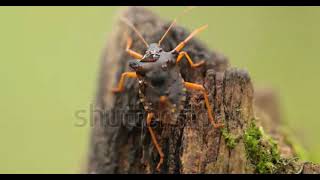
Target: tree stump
<point x="120" y="142"/>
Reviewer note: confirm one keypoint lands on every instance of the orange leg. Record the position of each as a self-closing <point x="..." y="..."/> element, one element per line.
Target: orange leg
<point x="131" y="52"/>
<point x="120" y="87"/>
<point x="183" y="43"/>
<point x="154" y="140"/>
<point x="199" y="87"/>
<point x="193" y="65"/>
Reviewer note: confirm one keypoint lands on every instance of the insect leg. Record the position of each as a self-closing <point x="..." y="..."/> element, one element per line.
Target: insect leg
<point x="154" y="139"/>
<point x="199" y="87"/>
<point x="193" y="65"/>
<point x="120" y="87"/>
<point x="183" y="43"/>
<point x="131" y="52"/>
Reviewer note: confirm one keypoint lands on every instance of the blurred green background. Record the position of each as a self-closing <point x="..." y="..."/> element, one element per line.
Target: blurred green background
<point x="50" y="59"/>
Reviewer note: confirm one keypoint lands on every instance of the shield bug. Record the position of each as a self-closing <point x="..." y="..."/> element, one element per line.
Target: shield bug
<point x="161" y="86"/>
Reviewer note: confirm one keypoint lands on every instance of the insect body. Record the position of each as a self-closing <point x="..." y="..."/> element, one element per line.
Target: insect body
<point x="161" y="86"/>
<point x="160" y="83"/>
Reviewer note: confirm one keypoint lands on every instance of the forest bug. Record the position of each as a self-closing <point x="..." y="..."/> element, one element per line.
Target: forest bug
<point x="161" y="86"/>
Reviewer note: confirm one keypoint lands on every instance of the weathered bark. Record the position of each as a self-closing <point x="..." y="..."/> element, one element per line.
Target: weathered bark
<point x="120" y="142"/>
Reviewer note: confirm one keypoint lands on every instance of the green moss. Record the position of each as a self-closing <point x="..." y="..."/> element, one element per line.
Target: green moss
<point x="229" y="138"/>
<point x="262" y="150"/>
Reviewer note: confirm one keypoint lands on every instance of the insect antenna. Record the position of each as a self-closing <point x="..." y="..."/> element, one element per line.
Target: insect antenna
<point x="126" y="21"/>
<point x="173" y="23"/>
<point x="183" y="43"/>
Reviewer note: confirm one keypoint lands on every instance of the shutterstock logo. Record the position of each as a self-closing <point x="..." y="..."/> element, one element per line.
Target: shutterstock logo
<point x="128" y="116"/>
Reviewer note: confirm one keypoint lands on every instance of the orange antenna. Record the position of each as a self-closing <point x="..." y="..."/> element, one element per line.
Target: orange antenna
<point x="134" y="29"/>
<point x="183" y="43"/>
<point x="173" y="23"/>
